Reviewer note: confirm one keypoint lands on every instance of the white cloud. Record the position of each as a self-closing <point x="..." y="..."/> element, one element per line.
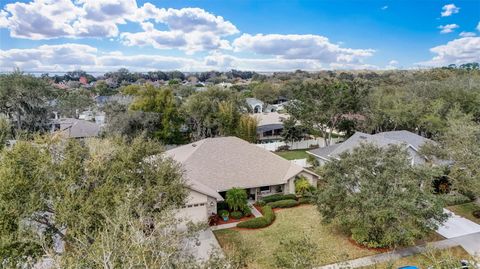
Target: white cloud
<point x="457" y="51"/>
<point x="48" y="57"/>
<point x="304" y="47"/>
<point x="40" y="19"/>
<point x="227" y="62"/>
<point x="384" y="7"/>
<point x="448" y="28"/>
<point x="189" y="29"/>
<point x="478" y="26"/>
<point x="393" y="64"/>
<point x="448" y="10"/>
<point x="67" y="57"/>
<point x="467" y="34"/>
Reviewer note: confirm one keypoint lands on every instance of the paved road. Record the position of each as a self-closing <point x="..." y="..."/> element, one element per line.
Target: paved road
<point x="470" y="242"/>
<point x="457" y="226"/>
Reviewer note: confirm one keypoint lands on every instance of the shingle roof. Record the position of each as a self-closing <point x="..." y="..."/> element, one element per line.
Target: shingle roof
<point x="407" y="137"/>
<point x="226" y="162"/>
<point x="75" y="128"/>
<point x="380" y="139"/>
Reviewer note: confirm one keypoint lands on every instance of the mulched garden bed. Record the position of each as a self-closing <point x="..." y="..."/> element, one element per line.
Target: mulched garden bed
<point x="232" y="220"/>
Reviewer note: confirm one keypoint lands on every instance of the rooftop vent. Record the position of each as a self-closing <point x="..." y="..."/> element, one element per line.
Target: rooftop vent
<point x="194" y="145"/>
<point x="363" y="137"/>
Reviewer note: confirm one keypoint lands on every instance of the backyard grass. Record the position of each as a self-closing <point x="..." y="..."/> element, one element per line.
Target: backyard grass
<point x="424" y="260"/>
<point x="292" y="223"/>
<point x="465" y="210"/>
<point x="293" y="154"/>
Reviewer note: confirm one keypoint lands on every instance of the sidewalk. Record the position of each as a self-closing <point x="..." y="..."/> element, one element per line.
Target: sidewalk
<point x="456" y="226"/>
<point x="470" y="242"/>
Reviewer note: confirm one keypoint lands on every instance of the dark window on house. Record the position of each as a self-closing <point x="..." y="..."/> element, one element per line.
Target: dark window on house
<point x="267" y="188"/>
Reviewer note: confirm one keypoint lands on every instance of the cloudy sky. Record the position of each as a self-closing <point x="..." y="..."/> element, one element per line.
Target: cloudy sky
<point x="265" y="35"/>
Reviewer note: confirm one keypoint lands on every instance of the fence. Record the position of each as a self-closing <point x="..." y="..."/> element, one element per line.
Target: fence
<point x="303" y="144"/>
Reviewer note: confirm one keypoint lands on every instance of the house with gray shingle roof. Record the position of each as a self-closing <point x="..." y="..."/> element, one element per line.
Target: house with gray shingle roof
<point x="412" y="141"/>
<point x="212" y="166"/>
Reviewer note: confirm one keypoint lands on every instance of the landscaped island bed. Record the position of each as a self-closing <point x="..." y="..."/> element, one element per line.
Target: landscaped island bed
<point x="291" y="223"/>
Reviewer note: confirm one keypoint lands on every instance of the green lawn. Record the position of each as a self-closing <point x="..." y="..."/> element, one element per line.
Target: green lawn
<point x="465" y="210"/>
<point x="424" y="260"/>
<point x="293" y="154"/>
<point x="291" y="223"/>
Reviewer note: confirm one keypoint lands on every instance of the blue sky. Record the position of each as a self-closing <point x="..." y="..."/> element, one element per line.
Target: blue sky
<point x="103" y="35"/>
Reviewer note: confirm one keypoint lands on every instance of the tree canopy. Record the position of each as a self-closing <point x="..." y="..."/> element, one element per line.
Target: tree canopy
<point x="379" y="197"/>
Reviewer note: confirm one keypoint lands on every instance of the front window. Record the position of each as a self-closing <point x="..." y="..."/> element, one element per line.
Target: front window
<point x="267" y="188"/>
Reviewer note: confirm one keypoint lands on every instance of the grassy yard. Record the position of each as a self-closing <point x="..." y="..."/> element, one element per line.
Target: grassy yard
<point x="424" y="260"/>
<point x="293" y="154"/>
<point x="291" y="223"/>
<point x="465" y="210"/>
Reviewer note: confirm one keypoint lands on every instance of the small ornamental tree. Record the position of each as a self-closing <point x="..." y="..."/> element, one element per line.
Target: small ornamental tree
<point x="302" y="186"/>
<point x="377" y="195"/>
<point x="236" y="199"/>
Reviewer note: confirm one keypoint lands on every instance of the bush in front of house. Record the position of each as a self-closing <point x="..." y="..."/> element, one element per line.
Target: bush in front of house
<point x="223" y="213"/>
<point x="278" y="197"/>
<point x="236" y="199"/>
<point x="283" y="204"/>
<point x="302" y="186"/>
<point x="247" y="211"/>
<point x="261" y="222"/>
<point x="236" y="215"/>
<point x="260" y="203"/>
<point x="305" y="200"/>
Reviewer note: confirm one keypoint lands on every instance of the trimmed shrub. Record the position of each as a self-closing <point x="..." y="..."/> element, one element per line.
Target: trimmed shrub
<point x="223" y="213"/>
<point x="283" y="204"/>
<point x="278" y="197"/>
<point x="476" y="214"/>
<point x="236" y="215"/>
<point x="260" y="203"/>
<point x="305" y="200"/>
<point x="261" y="222"/>
<point x="283" y="148"/>
<point x="247" y="211"/>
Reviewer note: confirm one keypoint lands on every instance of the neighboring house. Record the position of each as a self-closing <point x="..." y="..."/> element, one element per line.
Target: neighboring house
<point x="75" y="128"/>
<point x="121" y="99"/>
<point x="255" y="105"/>
<point x="270" y="126"/>
<point x="412" y="141"/>
<point x="212" y="166"/>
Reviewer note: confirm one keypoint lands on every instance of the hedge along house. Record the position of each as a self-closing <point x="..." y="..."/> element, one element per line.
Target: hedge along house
<point x="212" y="166"/>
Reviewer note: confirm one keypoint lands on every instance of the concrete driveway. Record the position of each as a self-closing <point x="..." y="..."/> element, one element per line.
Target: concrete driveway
<point x="207" y="244"/>
<point x="457" y="226"/>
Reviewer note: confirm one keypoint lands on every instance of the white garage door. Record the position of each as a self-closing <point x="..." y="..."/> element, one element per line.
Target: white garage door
<point x="195" y="214"/>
